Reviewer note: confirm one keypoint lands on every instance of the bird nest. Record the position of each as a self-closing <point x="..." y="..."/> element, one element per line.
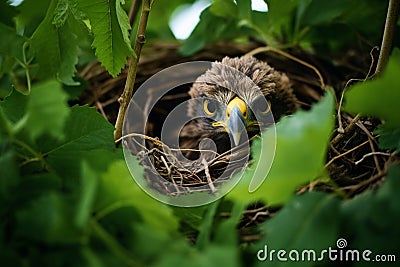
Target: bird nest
<point x="348" y="162"/>
<point x="182" y="177"/>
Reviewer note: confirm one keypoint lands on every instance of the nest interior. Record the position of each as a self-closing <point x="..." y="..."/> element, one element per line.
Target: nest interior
<point x="347" y="164"/>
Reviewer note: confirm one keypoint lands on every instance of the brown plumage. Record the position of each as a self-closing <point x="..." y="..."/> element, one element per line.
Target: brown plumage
<point x="274" y="86"/>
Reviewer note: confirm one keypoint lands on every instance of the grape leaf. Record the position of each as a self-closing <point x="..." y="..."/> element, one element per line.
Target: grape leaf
<point x="301" y="144"/>
<point x="47" y="110"/>
<point x="56" y="46"/>
<point x="300" y="226"/>
<point x="378" y="97"/>
<point x="109" y="24"/>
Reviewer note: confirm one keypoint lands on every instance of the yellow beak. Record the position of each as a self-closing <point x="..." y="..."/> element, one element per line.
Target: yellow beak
<point x="236" y="115"/>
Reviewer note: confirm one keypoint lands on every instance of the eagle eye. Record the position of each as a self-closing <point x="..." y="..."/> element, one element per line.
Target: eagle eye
<point x="210" y="107"/>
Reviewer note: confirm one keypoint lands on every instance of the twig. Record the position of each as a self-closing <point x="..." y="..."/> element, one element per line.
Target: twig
<point x="339" y="111"/>
<point x="388" y="35"/>
<point x="133" y="11"/>
<point x="372" y="143"/>
<point x="133" y="63"/>
<point x="372" y="154"/>
<point x="207" y="172"/>
<point x="345" y="153"/>
<point x="354" y="188"/>
<point x="289" y="56"/>
<point x="339" y="115"/>
<point x="349" y="127"/>
<point x="100" y="108"/>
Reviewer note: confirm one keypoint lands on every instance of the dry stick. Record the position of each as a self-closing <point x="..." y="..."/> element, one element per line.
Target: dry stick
<point x="349" y="127"/>
<point x="133" y="63"/>
<point x="371" y="141"/>
<point x="345" y="153"/>
<point x="289" y="56"/>
<point x="388" y="34"/>
<point x="209" y="180"/>
<point x="371" y="154"/>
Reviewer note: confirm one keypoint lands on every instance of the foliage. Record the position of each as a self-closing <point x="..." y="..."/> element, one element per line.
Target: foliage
<point x="379" y="98"/>
<point x="47" y="38"/>
<point x="67" y="197"/>
<point x="288" y="23"/>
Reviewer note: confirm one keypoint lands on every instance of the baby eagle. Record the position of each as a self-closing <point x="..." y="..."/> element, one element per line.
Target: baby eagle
<point x="229" y="105"/>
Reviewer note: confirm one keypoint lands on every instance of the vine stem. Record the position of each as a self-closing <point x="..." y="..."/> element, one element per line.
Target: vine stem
<point x="388" y="34"/>
<point x="133" y="63"/>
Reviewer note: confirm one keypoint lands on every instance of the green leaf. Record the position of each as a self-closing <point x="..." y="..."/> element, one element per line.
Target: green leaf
<point x="84" y="207"/>
<point x="301" y="145"/>
<point x="378" y="97"/>
<point x="212" y="28"/>
<point x="11" y="43"/>
<point x="7" y="13"/>
<point x="389" y="137"/>
<point x="370" y="220"/>
<point x="109" y="24"/>
<point x="31" y="14"/>
<point x="331" y="11"/>
<point x="244" y="9"/>
<point x="9" y="174"/>
<point x="118" y="190"/>
<point x="49" y="219"/>
<point x="56" y="46"/>
<point x="307" y="222"/>
<point x="5" y="85"/>
<point x="14" y="106"/>
<point x="224" y="8"/>
<point x="47" y="110"/>
<point x="87" y="136"/>
<point x="205" y="227"/>
<point x="280" y="14"/>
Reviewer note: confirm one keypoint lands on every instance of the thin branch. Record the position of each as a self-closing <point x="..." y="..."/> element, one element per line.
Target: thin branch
<point x="372" y="154"/>
<point x="388" y="35"/>
<point x="133" y="11"/>
<point x="133" y="63"/>
<point x="209" y="180"/>
<point x="345" y="153"/>
<point x="349" y="127"/>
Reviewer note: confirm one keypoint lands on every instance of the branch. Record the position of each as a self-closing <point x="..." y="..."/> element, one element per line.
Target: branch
<point x="133" y="11"/>
<point x="133" y="63"/>
<point x="390" y="27"/>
